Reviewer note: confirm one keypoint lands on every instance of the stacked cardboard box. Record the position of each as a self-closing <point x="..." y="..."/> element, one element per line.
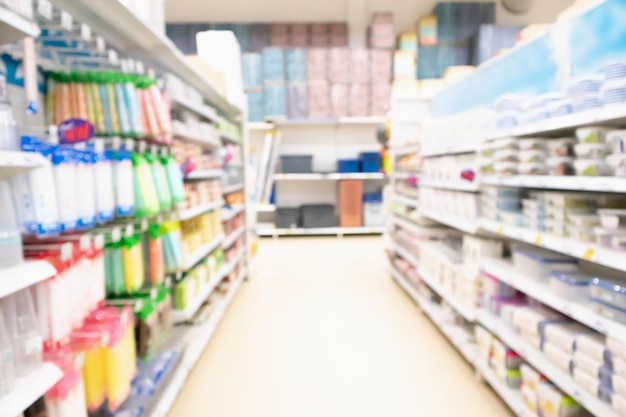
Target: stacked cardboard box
<point x="382" y="31"/>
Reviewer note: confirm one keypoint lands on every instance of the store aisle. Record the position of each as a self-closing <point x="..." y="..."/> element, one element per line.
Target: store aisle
<point x="323" y="331"/>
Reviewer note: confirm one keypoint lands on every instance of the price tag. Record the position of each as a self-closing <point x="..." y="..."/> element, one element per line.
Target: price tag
<point x="369" y="176"/>
<point x="113" y="57"/>
<point x="500" y="229"/>
<point x="153" y="293"/>
<point x="285" y="176"/>
<point x="116" y="234"/>
<point x="79" y="360"/>
<point x="100" y="44"/>
<point x="538" y="239"/>
<point x="85" y="242"/>
<point x="98" y="241"/>
<point x="139" y="67"/>
<point x="288" y="232"/>
<point x="589" y="253"/>
<point x="67" y="21"/>
<point x="85" y="31"/>
<point x="66" y="251"/>
<point x="144" y="225"/>
<point x="151" y="73"/>
<point x="44" y="8"/>
<point x="128" y="230"/>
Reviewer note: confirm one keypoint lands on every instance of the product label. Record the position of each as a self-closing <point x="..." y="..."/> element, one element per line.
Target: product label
<point x="73" y="131"/>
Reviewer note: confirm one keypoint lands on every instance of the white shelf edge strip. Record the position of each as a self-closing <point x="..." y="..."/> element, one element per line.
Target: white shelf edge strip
<point x="404" y="253"/>
<point x="29" y="389"/>
<point x="194" y="137"/>
<point x="405" y="224"/>
<point x="233" y="236"/>
<point x="205" y="174"/>
<point x="179" y="316"/>
<point x="407" y="201"/>
<point x="198" y="338"/>
<point x="203" y="251"/>
<point x="450" y="185"/>
<point x="229" y="189"/>
<point x="192" y="212"/>
<point x="581" y="250"/>
<point x="542" y="364"/>
<point x="228" y="214"/>
<point x="24" y="275"/>
<point x="467" y="226"/>
<point x="320" y="231"/>
<point x="467" y="350"/>
<point x="505" y="272"/>
<point x="331" y="177"/>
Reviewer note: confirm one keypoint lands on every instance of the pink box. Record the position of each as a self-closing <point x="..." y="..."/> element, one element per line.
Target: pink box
<point x="339" y="102"/>
<point x="359" y="100"/>
<point x="338" y="29"/>
<point x="318" y="29"/>
<point x="338" y="40"/>
<point x="299" y="29"/>
<point x="319" y="99"/>
<point x="279" y="40"/>
<point x="360" y="66"/>
<point x="339" y="65"/>
<point x="279" y="29"/>
<point x="380" y="65"/>
<point x="299" y="40"/>
<point x="317" y="64"/>
<point x="319" y="40"/>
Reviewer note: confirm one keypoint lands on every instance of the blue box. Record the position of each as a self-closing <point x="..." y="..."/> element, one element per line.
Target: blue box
<point x="273" y="64"/>
<point x="275" y="99"/>
<point x="491" y="39"/>
<point x="373" y="198"/>
<point x="296" y="64"/>
<point x="348" y="165"/>
<point x="252" y="70"/>
<point x="447" y="22"/>
<point x="256" y="106"/>
<point x="370" y="161"/>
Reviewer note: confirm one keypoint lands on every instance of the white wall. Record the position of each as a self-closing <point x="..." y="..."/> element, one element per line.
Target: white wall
<point x="406" y="11"/>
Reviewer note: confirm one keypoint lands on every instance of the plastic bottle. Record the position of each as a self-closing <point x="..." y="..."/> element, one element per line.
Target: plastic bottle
<point x="7" y="360"/>
<point x="10" y="238"/>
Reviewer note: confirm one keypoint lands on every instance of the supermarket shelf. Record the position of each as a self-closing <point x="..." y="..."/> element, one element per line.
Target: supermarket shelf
<point x="407" y="201"/>
<point x="403" y="175"/>
<point x="198" y="138"/>
<point x="197" y="338"/>
<point x="181" y="316"/>
<point x="210" y="174"/>
<point x="230" y="139"/>
<point x="331" y="177"/>
<point x="404" y="253"/>
<point x="450" y="150"/>
<point x="597" y="184"/>
<point x="259" y="126"/>
<point x="203" y="251"/>
<point x="450" y="185"/>
<point x="586" y="251"/>
<point x="506" y="273"/>
<point x="455" y="334"/>
<point x="404" y="150"/>
<point x="198" y="109"/>
<point x="14" y="27"/>
<point x="320" y="231"/>
<point x="405" y="224"/>
<point x="542" y="364"/>
<point x="513" y="398"/>
<point x="198" y="210"/>
<point x="29" y="389"/>
<point x="232" y="211"/>
<point x="132" y="36"/>
<point x="233" y="236"/>
<point x="24" y="275"/>
<point x="611" y="115"/>
<point x="229" y="189"/>
<point x="265" y="208"/>
<point x="374" y="121"/>
<point x="455" y="222"/>
<point x="14" y="162"/>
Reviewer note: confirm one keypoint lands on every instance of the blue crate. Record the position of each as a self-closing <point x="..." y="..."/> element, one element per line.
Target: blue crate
<point x="347" y="165"/>
<point x="252" y="69"/>
<point x="370" y="161"/>
<point x="373" y="198"/>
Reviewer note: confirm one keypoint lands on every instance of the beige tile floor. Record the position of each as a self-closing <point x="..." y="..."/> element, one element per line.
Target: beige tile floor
<point x="323" y="331"/>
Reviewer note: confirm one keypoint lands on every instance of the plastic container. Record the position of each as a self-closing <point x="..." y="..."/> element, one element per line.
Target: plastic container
<point x="605" y="237"/>
<point x="539" y="264"/>
<point x="561" y="147"/>
<point x="556" y="227"/>
<point x="511" y="377"/>
<point x="570" y="286"/>
<point x="505" y="204"/>
<point x="347" y="165"/>
<point x="512" y="218"/>
<point x="532" y="144"/>
<point x="611" y="292"/>
<point x="506" y="155"/>
<point x="287" y="217"/>
<point x="370" y="161"/>
<point x="606" y="375"/>
<point x="590" y="150"/>
<point x="588" y="365"/>
<point x="560" y="165"/>
<point x="563" y="214"/>
<point x="505" y="168"/>
<point x="592" y="134"/>
<point x="531" y="399"/>
<point x="619" y="405"/>
<point x="558" y="358"/>
<point x="564" y="335"/>
<point x="532" y="156"/>
<point x="501" y="192"/>
<point x="616" y="140"/>
<point x="587" y="221"/>
<point x="617" y="163"/>
<point x="580" y="234"/>
<point x="504" y="357"/>
<point x="612" y="218"/>
<point x="318" y="215"/>
<point x="593" y="345"/>
<point x="618" y="349"/>
<point x="7" y="361"/>
<point x="532" y="168"/>
<point x="587" y="382"/>
<point x="530" y="377"/>
<point x="553" y="403"/>
<point x="296" y="164"/>
<point x="567" y="199"/>
<point x="591" y="167"/>
<point x="619" y="385"/>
